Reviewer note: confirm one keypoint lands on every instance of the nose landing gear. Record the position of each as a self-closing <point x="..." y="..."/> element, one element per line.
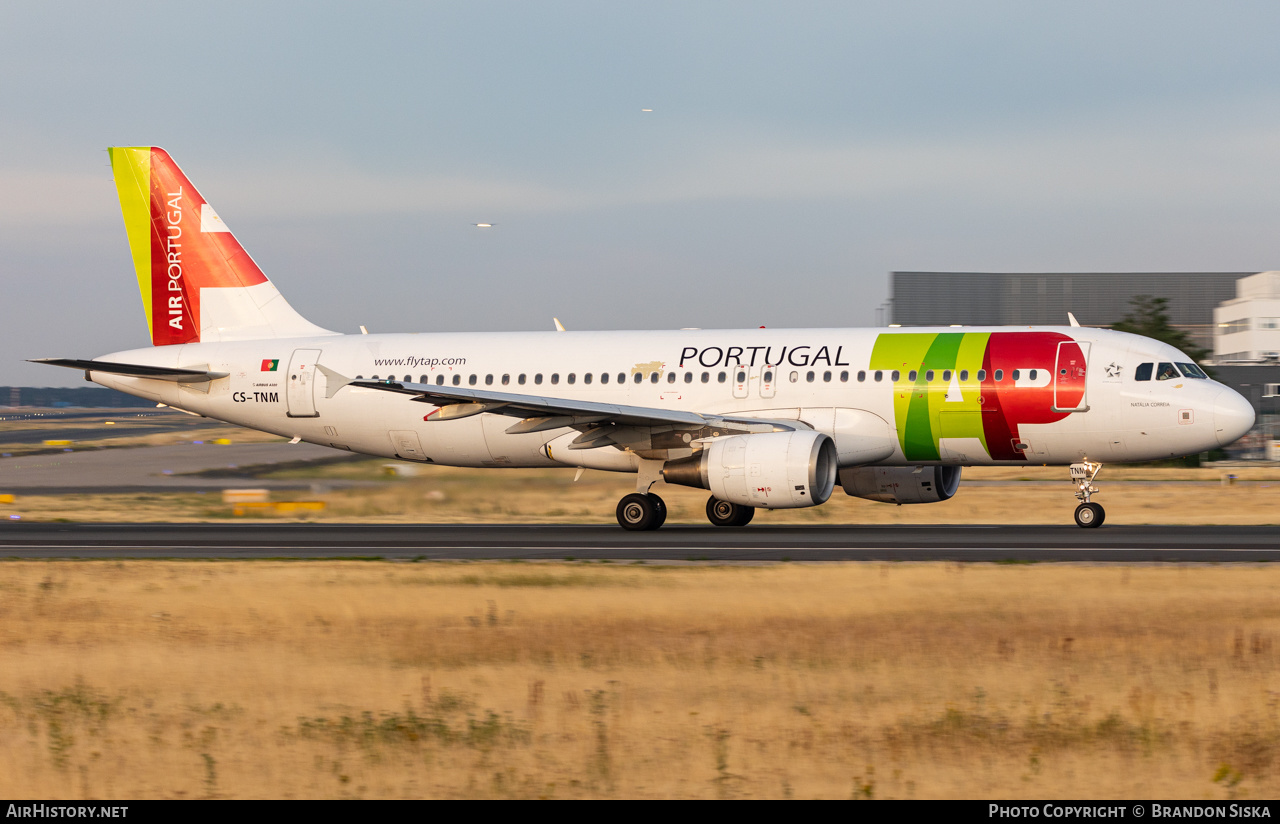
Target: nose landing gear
<point x="1088" y="514"/>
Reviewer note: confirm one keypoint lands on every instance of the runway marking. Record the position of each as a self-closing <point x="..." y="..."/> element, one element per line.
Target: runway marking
<point x="444" y="547"/>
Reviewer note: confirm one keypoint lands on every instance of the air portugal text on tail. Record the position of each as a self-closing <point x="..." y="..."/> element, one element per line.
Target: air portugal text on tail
<point x="197" y="282"/>
<point x="762" y="418"/>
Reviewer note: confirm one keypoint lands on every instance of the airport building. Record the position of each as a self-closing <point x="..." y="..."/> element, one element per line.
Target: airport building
<point x="1044" y="298"/>
<point x="1248" y="324"/>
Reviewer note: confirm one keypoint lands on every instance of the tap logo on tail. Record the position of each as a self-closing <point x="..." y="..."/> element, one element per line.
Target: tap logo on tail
<point x="180" y="246"/>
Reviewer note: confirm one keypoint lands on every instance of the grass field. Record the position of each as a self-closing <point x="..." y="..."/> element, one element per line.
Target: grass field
<point x="447" y="495"/>
<point x="361" y="679"/>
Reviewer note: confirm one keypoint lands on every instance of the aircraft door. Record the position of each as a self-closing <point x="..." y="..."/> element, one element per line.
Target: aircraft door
<point x="741" y="380"/>
<point x="300" y="392"/>
<point x="1069" y="376"/>
<point x="768" y="381"/>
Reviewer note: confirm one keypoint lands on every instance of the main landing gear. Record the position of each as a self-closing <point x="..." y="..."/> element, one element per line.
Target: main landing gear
<point x="723" y="513"/>
<point x="641" y="511"/>
<point x="1088" y="514"/>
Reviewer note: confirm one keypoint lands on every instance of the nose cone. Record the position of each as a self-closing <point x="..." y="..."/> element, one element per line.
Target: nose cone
<point x="1232" y="417"/>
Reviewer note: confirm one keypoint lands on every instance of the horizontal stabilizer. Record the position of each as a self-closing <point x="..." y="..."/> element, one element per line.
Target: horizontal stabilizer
<point x="134" y="370"/>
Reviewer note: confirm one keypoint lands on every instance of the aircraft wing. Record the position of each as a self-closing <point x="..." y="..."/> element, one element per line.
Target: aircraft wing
<point x="162" y="373"/>
<point x="541" y="412"/>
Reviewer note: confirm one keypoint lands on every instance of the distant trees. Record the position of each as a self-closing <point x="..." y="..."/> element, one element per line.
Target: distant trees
<point x="1149" y="316"/>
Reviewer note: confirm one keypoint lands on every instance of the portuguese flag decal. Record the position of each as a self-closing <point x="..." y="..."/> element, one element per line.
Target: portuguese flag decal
<point x="270" y="365"/>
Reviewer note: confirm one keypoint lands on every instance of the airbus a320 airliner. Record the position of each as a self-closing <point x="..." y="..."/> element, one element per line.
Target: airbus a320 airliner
<point x="762" y="418"/>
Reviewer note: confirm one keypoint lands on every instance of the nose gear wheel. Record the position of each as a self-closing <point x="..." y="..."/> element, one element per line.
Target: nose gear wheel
<point x="1088" y="515"/>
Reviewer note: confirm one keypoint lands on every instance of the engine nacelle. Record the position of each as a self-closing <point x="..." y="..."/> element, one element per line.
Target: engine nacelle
<point x="771" y="470"/>
<point x="901" y="484"/>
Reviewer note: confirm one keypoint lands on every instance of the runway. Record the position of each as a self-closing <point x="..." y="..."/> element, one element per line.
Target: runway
<point x="1125" y="544"/>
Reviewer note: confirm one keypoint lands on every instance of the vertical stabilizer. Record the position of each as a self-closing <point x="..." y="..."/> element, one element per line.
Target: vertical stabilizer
<point x="197" y="282"/>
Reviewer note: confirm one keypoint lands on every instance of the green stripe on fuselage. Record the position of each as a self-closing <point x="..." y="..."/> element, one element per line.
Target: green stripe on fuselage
<point x="919" y="405"/>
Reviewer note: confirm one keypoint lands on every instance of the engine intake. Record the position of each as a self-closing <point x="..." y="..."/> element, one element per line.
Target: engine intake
<point x="901" y="484"/>
<point x="771" y="470"/>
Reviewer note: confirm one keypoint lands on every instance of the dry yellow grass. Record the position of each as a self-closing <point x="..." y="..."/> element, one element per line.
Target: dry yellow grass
<point x="192" y="679"/>
<point x="121" y="431"/>
<point x="446" y="495"/>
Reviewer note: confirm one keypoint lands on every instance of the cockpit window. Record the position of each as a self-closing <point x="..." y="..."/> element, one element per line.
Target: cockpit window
<point x="1143" y="372"/>
<point x="1192" y="371"/>
<point x="1167" y="371"/>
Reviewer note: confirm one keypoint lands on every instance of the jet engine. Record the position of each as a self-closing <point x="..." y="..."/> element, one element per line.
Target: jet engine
<point x="771" y="470"/>
<point x="901" y="484"/>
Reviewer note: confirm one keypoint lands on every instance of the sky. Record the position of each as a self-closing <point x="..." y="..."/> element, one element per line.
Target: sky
<point x="796" y="153"/>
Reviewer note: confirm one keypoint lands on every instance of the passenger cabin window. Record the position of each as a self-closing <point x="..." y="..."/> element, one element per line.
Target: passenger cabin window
<point x="471" y="379"/>
<point x="768" y="376"/>
<point x="862" y="375"/>
<point x="653" y="377"/>
<point x="964" y="374"/>
<point x="1167" y="371"/>
<point x="671" y="377"/>
<point x="999" y="375"/>
<point x="879" y="375"/>
<point x="622" y="377"/>
<point x="488" y="380"/>
<point x="741" y="377"/>
<point x="911" y="376"/>
<point x="946" y="374"/>
<point x="457" y="379"/>
<point x="706" y="376"/>
<point x="573" y="378"/>
<point x="440" y="380"/>
<point x="826" y="377"/>
<point x="639" y="377"/>
<point x="1033" y="374"/>
<point x="895" y="376"/>
<point x="586" y="378"/>
<point x="844" y="376"/>
<point x="520" y="380"/>
<point x="1143" y="372"/>
<point x="555" y="378"/>
<point x="604" y="377"/>
<point x="928" y="376"/>
<point x="537" y="379"/>
<point x="720" y="377"/>
<point x="506" y="379"/>
<point x="795" y="376"/>
<point x="809" y="377"/>
<point x="688" y="377"/>
<point x="1017" y="374"/>
<point x="374" y="378"/>
<point x="982" y="374"/>
<point x="422" y="379"/>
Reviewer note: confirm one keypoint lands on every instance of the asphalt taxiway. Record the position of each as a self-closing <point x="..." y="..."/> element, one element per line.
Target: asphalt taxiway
<point x="994" y="543"/>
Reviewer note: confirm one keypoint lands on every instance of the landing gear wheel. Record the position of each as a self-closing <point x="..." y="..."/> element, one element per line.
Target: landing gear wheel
<point x="724" y="513"/>
<point x="638" y="512"/>
<point x="660" y="508"/>
<point x="1090" y="515"/>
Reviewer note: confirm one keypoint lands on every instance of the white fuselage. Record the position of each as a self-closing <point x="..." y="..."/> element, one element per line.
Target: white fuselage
<point x="817" y="375"/>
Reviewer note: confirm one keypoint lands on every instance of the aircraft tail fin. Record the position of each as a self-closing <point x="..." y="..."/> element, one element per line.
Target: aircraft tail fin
<point x="197" y="282"/>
